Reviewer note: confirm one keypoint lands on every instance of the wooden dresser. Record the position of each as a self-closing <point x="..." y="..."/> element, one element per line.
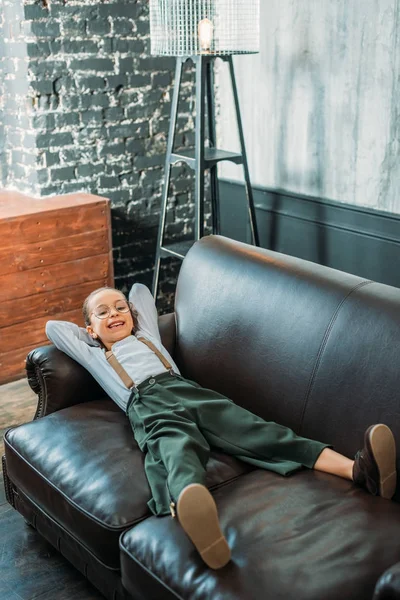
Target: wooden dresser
<point x="53" y="253"/>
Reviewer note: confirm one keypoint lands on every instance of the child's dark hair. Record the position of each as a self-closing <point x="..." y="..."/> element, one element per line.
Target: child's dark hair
<point x="85" y="307"/>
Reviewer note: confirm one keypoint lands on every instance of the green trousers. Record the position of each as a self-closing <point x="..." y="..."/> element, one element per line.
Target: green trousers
<point x="176" y="421"/>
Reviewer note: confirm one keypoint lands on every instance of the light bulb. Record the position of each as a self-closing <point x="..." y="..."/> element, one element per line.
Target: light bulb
<point x="205" y="30"/>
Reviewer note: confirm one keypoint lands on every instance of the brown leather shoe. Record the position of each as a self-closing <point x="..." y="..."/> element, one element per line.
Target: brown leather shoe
<point x="197" y="514"/>
<point x="375" y="465"/>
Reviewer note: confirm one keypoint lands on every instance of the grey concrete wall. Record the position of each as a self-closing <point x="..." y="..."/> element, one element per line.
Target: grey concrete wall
<point x="321" y="102"/>
<point x="17" y="140"/>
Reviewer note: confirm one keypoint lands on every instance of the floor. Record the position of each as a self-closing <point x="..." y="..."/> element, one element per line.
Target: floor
<point x="17" y="405"/>
<point x="30" y="568"/>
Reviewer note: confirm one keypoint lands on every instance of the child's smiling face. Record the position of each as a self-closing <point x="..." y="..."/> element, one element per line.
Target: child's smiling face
<point x="109" y="319"/>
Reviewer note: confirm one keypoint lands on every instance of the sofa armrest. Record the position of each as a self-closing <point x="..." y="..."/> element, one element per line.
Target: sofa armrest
<point x="388" y="586"/>
<point x="59" y="381"/>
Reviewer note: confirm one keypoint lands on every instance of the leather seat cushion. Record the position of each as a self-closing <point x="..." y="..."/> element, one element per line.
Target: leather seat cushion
<point x="82" y="466"/>
<point x="310" y="536"/>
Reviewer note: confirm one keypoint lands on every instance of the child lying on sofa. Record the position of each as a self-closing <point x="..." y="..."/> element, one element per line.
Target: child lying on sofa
<point x="175" y="421"/>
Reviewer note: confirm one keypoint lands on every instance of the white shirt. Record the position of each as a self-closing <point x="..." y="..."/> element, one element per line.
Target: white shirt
<point x="138" y="360"/>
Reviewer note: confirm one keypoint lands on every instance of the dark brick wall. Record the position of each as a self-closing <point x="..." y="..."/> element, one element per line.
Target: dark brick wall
<point x="93" y="116"/>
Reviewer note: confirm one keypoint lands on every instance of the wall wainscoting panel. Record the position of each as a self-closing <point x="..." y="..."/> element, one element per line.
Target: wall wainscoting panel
<point x="362" y="241"/>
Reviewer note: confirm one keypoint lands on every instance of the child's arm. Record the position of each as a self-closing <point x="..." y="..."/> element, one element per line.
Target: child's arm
<point x="71" y="339"/>
<point x="143" y="302"/>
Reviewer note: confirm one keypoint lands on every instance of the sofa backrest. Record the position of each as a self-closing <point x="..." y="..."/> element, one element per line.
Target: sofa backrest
<point x="298" y="343"/>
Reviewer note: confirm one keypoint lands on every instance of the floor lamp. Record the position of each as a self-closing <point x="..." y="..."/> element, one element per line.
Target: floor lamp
<point x="201" y="31"/>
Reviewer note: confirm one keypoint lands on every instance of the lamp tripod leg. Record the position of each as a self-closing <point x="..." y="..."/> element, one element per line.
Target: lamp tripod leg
<point x="249" y="191"/>
<point x="199" y="147"/>
<point x="170" y="146"/>
<point x="216" y="225"/>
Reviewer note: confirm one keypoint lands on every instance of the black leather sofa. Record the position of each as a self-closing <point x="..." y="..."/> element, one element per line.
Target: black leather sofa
<point x="309" y="347"/>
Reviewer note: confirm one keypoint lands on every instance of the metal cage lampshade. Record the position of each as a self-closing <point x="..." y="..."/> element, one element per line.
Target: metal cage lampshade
<point x="191" y="27"/>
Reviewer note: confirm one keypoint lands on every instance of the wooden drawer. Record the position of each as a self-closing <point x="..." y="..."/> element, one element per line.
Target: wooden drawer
<point x="53" y="253"/>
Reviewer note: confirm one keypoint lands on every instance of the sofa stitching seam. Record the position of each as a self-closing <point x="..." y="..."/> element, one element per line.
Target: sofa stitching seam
<point x="145" y="568"/>
<point x="46" y="515"/>
<point x="69" y="500"/>
<point x="323" y="346"/>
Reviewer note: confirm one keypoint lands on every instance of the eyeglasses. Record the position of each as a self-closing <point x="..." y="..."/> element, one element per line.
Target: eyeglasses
<point x="103" y="311"/>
